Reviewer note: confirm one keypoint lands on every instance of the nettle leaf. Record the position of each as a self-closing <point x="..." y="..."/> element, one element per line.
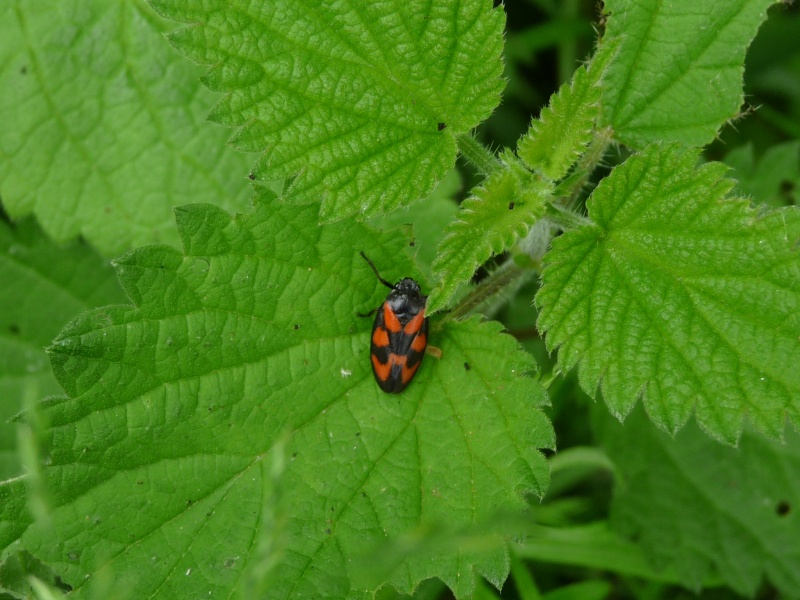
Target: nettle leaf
<point x="14" y="514"/>
<point x="678" y="72"/>
<point x="680" y="296"/>
<point x="559" y="136"/>
<point x="357" y="103"/>
<point x="44" y="286"/>
<point x="159" y="458"/>
<point x="103" y="126"/>
<point x="734" y="513"/>
<point x="497" y="215"/>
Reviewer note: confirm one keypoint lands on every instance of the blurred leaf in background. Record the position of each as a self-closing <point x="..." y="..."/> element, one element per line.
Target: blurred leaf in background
<point x="104" y="126"/>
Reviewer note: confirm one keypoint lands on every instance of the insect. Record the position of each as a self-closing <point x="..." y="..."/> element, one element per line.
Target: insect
<point x="399" y="334"/>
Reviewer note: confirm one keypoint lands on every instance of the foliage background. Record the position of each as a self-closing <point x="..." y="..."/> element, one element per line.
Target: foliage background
<point x="731" y="529"/>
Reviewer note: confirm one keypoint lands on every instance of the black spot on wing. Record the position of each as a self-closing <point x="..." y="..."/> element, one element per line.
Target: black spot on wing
<point x="400" y="342"/>
<point x="381" y="353"/>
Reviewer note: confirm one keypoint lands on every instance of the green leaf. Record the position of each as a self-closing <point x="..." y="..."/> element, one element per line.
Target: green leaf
<point x="559" y="136"/>
<point x="43" y="287"/>
<point x="702" y="508"/>
<point x="773" y="179"/>
<point x="678" y="72"/>
<point x="595" y="547"/>
<point x="680" y="296"/>
<point x="523" y="579"/>
<point x="428" y="219"/>
<point x="584" y="590"/>
<point x="160" y="455"/>
<point x="499" y="213"/>
<point x="348" y="99"/>
<point x="15" y="571"/>
<point x="431" y="589"/>
<point x="103" y="126"/>
<point x="14" y="516"/>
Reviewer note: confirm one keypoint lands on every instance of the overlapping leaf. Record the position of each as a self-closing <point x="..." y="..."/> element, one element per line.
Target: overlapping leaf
<point x="706" y="509"/>
<point x="356" y="102"/>
<point x="159" y="457"/>
<point x="42" y="287"/>
<point x="678" y="76"/>
<point x="103" y="127"/>
<point x="680" y="296"/>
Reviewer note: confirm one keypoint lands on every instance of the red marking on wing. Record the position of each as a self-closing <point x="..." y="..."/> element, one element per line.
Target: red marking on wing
<point x="419" y="342"/>
<point x="380" y="337"/>
<point x="414" y="325"/>
<point x="390" y="319"/>
<point x="408" y="372"/>
<point x="382" y="370"/>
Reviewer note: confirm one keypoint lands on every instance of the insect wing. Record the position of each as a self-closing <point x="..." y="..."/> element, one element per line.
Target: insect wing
<point x="396" y="349"/>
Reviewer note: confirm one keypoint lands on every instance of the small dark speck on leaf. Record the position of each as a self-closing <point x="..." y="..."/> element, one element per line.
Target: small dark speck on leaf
<point x="412" y="243"/>
<point x="783" y="508"/>
<point x="786" y="186"/>
<point x="251" y="176"/>
<point x="296" y="326"/>
<point x="467" y="366"/>
<point x="441" y="126"/>
<point x="13" y="329"/>
<point x="510" y="206"/>
<point x="230" y="562"/>
<point x="328" y="531"/>
<point x="358" y="433"/>
<point x="294" y="454"/>
<point x="23" y="70"/>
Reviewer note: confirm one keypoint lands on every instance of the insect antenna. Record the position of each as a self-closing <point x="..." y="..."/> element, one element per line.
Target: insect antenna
<point x="375" y="270"/>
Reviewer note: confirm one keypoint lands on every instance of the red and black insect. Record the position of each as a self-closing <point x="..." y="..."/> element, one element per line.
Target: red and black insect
<point x="399" y="334"/>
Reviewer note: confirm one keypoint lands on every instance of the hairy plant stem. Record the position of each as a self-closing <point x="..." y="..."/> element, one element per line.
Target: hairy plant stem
<point x="490" y="288"/>
<point x="477" y="154"/>
<point x="561" y="212"/>
<point x="588" y="163"/>
<point x="563" y="218"/>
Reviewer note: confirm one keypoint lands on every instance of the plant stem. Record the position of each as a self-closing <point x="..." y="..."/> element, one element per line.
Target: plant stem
<point x="588" y="163"/>
<point x="564" y="219"/>
<point x="487" y="290"/>
<point x="567" y="49"/>
<point x="477" y="154"/>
